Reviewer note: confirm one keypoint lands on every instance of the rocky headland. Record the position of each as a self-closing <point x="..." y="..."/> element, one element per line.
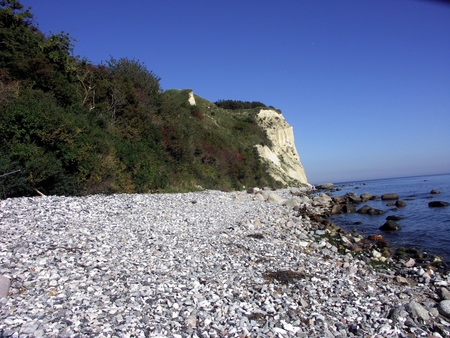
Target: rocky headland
<point x="257" y="263"/>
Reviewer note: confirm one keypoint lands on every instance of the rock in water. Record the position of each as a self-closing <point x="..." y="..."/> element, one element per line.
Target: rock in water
<point x="400" y="204"/>
<point x="390" y="226"/>
<point x="325" y="186"/>
<point x="390" y="196"/>
<point x="437" y="204"/>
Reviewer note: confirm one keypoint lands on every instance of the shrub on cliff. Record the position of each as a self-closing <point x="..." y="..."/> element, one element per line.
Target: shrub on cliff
<point x="73" y="127"/>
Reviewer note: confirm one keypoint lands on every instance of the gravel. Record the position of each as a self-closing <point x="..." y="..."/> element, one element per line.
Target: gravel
<point x="205" y="264"/>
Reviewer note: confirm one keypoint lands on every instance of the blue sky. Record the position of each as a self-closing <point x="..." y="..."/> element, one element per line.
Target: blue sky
<point x="365" y="84"/>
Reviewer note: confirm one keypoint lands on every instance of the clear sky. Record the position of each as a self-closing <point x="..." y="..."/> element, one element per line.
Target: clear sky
<point x="365" y="84"/>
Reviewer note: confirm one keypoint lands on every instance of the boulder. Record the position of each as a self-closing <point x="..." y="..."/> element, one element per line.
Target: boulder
<point x="365" y="196"/>
<point x="364" y="209"/>
<point x="390" y="196"/>
<point x="349" y="208"/>
<point x="417" y="311"/>
<point x="400" y="204"/>
<point x="292" y="202"/>
<point x="354" y="198"/>
<point x="374" y="212"/>
<point x="437" y="204"/>
<point x="375" y="238"/>
<point x="4" y="286"/>
<point x="444" y="308"/>
<point x="322" y="199"/>
<point x="394" y="218"/>
<point x="444" y="294"/>
<point x="336" y="209"/>
<point x="325" y="186"/>
<point x="275" y="199"/>
<point x="390" y="226"/>
<point x="305" y="199"/>
<point x="382" y="244"/>
<point x="339" y="199"/>
<point x="435" y="191"/>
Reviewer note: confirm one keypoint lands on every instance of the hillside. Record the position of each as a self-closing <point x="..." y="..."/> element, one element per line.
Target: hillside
<point x="74" y="128"/>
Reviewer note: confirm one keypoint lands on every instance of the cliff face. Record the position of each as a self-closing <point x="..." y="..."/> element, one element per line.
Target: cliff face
<point x="282" y="157"/>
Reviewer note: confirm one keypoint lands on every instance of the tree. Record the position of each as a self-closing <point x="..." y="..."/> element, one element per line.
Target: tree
<point x="12" y="13"/>
<point x="145" y="81"/>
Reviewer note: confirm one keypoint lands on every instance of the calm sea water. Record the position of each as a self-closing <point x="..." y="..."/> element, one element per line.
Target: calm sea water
<point x="424" y="228"/>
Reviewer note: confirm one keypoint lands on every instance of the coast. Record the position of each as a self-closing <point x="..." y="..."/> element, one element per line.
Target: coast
<point x="260" y="263"/>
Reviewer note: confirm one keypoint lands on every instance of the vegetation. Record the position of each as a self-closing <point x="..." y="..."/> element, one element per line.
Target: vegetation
<point x="234" y="104"/>
<point x="73" y="127"/>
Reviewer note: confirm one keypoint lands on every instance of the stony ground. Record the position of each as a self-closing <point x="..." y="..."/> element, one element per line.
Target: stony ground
<point x="206" y="264"/>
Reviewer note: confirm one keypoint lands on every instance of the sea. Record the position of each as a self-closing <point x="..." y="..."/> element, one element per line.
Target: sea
<point x="423" y="228"/>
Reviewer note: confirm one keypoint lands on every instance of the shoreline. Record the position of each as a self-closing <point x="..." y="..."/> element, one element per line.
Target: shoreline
<point x="202" y="264"/>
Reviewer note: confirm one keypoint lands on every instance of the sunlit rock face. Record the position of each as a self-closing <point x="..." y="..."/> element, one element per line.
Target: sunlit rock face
<point x="282" y="157"/>
<point x="191" y="99"/>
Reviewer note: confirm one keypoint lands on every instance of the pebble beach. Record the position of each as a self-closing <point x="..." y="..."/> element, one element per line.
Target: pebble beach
<point x="203" y="264"/>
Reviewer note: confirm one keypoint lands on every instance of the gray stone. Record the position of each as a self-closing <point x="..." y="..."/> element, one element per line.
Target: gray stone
<point x="400" y="204"/>
<point x="444" y="308"/>
<point x="390" y="196"/>
<point x="325" y="186"/>
<point x="444" y="294"/>
<point x="275" y="199"/>
<point x="30" y="328"/>
<point x="417" y="311"/>
<point x="438" y="204"/>
<point x="390" y="226"/>
<point x="398" y="314"/>
<point x="4" y="286"/>
<point x="365" y="196"/>
<point x="292" y="202"/>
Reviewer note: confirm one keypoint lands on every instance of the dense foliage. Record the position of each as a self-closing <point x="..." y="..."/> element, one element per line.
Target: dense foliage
<point x="72" y="127"/>
<point x="236" y="104"/>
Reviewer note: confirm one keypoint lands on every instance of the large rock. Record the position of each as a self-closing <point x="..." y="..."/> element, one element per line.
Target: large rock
<point x="437" y="204"/>
<point x="435" y="191"/>
<point x="370" y="211"/>
<point x="374" y="212"/>
<point x="339" y="199"/>
<point x="325" y="186"/>
<point x="295" y="201"/>
<point x="322" y="199"/>
<point x="390" y="226"/>
<point x="417" y="311"/>
<point x="365" y="196"/>
<point x="282" y="157"/>
<point x="336" y="209"/>
<point x="354" y="198"/>
<point x="444" y="308"/>
<point x="349" y="208"/>
<point x="364" y="209"/>
<point x="444" y="294"/>
<point x="275" y="199"/>
<point x="400" y="204"/>
<point x="4" y="286"/>
<point x="390" y="196"/>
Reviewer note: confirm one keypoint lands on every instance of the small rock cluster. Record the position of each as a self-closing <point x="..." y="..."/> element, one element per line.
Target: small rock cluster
<point x="260" y="263"/>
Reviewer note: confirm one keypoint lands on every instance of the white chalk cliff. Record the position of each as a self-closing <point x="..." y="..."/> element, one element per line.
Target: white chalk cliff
<point x="282" y="157"/>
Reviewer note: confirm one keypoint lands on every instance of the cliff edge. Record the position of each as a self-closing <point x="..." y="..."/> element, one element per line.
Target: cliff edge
<point x="282" y="157"/>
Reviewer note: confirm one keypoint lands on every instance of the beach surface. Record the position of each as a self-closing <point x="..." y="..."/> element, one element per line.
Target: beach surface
<point x="203" y="264"/>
